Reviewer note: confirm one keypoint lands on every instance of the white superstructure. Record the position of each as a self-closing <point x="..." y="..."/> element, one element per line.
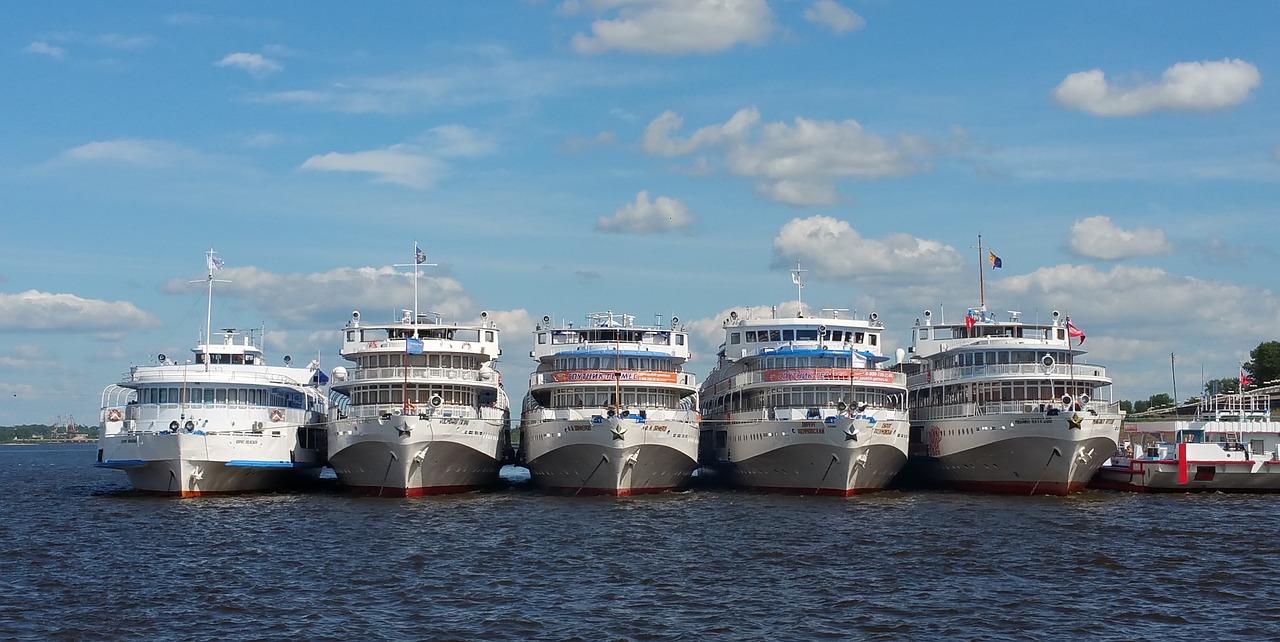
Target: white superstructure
<point x="422" y="411"/>
<point x="610" y="409"/>
<point x="223" y="421"/>
<point x="1231" y="444"/>
<point x="801" y="404"/>
<point x="1006" y="406"/>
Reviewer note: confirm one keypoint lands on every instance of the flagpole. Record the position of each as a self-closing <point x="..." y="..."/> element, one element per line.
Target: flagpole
<point x="212" y="264"/>
<point x="982" y="285"/>
<point x="419" y="260"/>
<point x="799" y="281"/>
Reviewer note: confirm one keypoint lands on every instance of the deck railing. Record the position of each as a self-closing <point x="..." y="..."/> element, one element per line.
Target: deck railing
<point x="1020" y="370"/>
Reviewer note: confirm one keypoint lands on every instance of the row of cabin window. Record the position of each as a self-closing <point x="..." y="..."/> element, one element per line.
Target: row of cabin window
<point x="237" y="359"/>
<point x="943" y="333"/>
<point x="360" y="335"/>
<point x="229" y="396"/>
<point x="567" y="337"/>
<point x="802" y="397"/>
<point x="611" y="363"/>
<point x="833" y="336"/>
<point x="607" y="396"/>
<point x="396" y="360"/>
<point x="388" y="394"/>
<point x="774" y="363"/>
<point x="999" y="357"/>
<point x="1042" y="391"/>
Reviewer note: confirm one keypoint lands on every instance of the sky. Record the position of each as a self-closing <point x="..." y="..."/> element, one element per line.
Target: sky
<point x="656" y="158"/>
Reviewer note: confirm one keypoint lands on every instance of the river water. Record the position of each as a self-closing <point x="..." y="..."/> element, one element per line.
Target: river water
<point x="82" y="557"/>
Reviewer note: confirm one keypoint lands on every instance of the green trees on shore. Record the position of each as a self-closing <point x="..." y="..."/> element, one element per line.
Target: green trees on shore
<point x="27" y="432"/>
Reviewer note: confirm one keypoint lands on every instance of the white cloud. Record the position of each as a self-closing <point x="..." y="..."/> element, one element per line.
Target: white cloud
<point x="495" y="79"/>
<point x="458" y="140"/>
<point x="123" y="42"/>
<point x="256" y="64"/>
<point x="45" y="49"/>
<point x="795" y="163"/>
<point x="674" y="26"/>
<point x="397" y="164"/>
<point x="798" y="192"/>
<point x="643" y="216"/>
<point x="834" y="16"/>
<point x="658" y="140"/>
<point x="577" y="144"/>
<point x="35" y="310"/>
<point x="1098" y="237"/>
<point x="1186" y="86"/>
<point x="834" y="250"/>
<point x="1164" y="305"/>
<point x="302" y="299"/>
<point x="129" y="151"/>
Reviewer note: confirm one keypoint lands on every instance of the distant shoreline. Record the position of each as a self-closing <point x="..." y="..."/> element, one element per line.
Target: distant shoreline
<point x="37" y="442"/>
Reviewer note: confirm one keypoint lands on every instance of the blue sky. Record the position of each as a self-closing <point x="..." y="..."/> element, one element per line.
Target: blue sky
<point x="641" y="156"/>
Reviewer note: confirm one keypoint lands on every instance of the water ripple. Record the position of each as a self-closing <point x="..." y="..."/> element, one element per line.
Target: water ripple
<point x="85" y="558"/>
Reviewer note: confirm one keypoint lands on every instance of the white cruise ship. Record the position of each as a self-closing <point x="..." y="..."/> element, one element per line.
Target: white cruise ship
<point x="802" y="405"/>
<point x="610" y="409"/>
<point x="423" y="411"/>
<point x="1006" y="406"/>
<point x="221" y="422"/>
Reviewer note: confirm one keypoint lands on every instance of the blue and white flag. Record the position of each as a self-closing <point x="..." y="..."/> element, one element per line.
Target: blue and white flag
<point x="419" y="256"/>
<point x="413" y="346"/>
<point x="215" y="263"/>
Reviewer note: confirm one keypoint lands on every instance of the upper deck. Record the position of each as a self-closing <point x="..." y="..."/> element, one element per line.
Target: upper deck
<point x="980" y="330"/>
<point x="238" y="358"/>
<point x="421" y="335"/>
<point x="751" y="337"/>
<point x="609" y="333"/>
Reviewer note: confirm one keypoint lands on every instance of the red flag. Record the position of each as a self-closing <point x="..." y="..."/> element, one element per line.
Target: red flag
<point x="1245" y="379"/>
<point x="969" y="321"/>
<point x="1074" y="332"/>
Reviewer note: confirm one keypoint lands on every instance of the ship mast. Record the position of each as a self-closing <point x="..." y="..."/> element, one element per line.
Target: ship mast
<point x="796" y="278"/>
<point x="419" y="260"/>
<point x="982" y="286"/>
<point x="213" y="263"/>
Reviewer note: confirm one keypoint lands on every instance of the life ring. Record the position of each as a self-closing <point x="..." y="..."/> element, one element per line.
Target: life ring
<point x="114" y="415"/>
<point x="277" y="414"/>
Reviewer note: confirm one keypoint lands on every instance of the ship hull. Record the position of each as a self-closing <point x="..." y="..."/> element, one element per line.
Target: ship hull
<point x="840" y="456"/>
<point x="816" y="469"/>
<point x="409" y="456"/>
<point x="194" y="464"/>
<point x="1022" y="454"/>
<point x="1167" y="476"/>
<point x="618" y="457"/>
